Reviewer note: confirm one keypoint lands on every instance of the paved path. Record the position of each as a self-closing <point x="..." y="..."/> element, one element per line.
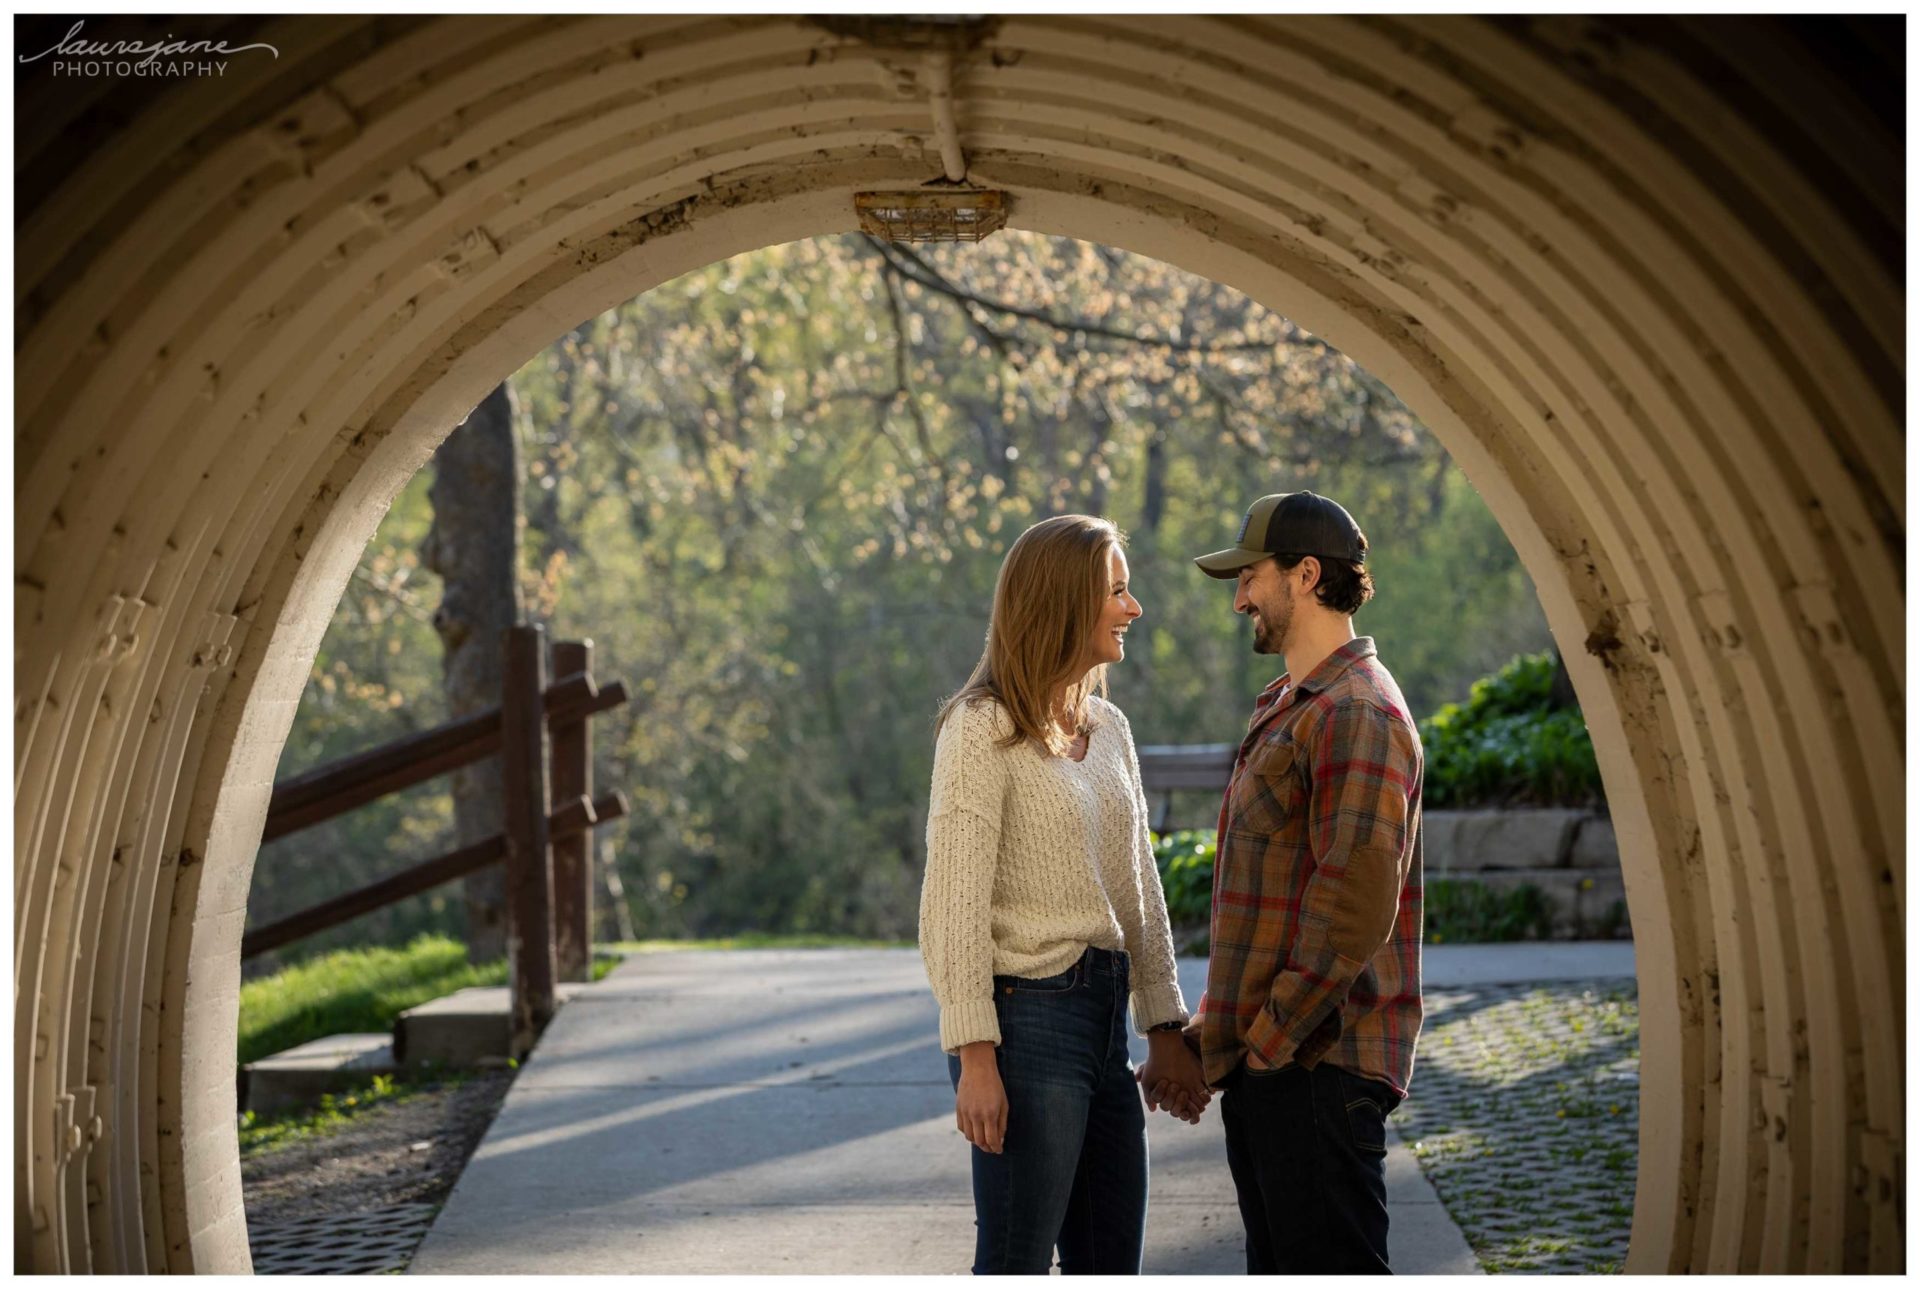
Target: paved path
<point x="788" y="1111"/>
<point x="1526" y="1120"/>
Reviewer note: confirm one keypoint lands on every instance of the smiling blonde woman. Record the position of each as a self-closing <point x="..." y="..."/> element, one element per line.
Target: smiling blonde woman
<point x="1042" y="921"/>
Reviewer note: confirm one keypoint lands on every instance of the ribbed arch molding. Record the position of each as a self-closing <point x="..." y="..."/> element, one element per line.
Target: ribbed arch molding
<point x="1659" y="332"/>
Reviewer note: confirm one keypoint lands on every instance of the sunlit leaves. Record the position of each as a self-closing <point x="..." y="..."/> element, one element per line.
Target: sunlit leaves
<point x="775" y="492"/>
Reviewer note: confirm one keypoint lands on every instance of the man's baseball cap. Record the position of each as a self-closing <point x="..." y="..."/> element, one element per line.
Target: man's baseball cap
<point x="1292" y="523"/>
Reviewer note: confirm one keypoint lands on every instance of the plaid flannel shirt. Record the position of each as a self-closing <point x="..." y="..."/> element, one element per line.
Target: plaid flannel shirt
<point x="1317" y="882"/>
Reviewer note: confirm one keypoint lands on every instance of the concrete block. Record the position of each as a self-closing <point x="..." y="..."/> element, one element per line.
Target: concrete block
<point x="300" y="1075"/>
<point x="1438" y="852"/>
<point x="460" y="1029"/>
<point x="1594" y="845"/>
<point x="466" y="1028"/>
<point x="1473" y="840"/>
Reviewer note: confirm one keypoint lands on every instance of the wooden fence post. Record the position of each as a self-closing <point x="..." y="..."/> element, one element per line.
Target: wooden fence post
<point x="572" y="874"/>
<point x="529" y="867"/>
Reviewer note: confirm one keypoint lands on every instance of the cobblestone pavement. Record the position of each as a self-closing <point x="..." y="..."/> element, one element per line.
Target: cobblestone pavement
<point x="1525" y="1115"/>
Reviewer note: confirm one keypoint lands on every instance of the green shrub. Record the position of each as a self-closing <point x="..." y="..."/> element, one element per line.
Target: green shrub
<point x="1185" y="859"/>
<point x="1465" y="912"/>
<point x="1510" y="745"/>
<point x="1456" y="912"/>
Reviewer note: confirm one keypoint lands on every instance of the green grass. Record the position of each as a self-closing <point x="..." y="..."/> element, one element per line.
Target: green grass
<point x="757" y="940"/>
<point x="358" y="991"/>
<point x="355" y="991"/>
<point x="335" y="1111"/>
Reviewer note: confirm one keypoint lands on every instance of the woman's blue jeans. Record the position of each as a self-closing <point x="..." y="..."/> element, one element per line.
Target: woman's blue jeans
<point x="1074" y="1169"/>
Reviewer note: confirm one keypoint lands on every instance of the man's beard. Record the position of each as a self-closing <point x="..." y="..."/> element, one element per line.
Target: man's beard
<point x="1270" y="628"/>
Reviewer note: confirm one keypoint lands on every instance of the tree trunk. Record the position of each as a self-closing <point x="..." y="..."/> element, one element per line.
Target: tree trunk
<point x="1154" y="506"/>
<point x="1099" y="426"/>
<point x="474" y="545"/>
<point x="616" y="902"/>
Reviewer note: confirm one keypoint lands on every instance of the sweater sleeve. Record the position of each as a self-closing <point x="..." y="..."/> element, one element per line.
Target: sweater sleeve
<point x="1156" y="985"/>
<point x="963" y="845"/>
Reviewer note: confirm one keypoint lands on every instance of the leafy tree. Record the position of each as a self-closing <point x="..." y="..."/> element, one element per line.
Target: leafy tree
<point x="775" y="493"/>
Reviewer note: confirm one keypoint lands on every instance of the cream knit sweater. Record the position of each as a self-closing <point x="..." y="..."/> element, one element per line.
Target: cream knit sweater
<point x="1030" y="859"/>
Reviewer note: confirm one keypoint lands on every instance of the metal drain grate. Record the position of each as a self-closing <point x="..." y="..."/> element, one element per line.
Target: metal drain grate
<point x="341" y="1243"/>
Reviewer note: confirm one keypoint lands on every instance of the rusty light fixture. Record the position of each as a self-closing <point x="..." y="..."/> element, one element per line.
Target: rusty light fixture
<point x="948" y="209"/>
<point x="932" y="215"/>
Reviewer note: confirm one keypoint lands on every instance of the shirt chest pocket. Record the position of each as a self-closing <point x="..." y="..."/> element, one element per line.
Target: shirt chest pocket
<point x="1269" y="795"/>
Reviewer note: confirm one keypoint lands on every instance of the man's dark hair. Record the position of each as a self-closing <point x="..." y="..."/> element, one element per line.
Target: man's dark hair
<point x="1343" y="585"/>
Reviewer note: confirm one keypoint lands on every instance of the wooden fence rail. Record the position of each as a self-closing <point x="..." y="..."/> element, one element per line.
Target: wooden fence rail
<point x="549" y="806"/>
<point x="329" y="790"/>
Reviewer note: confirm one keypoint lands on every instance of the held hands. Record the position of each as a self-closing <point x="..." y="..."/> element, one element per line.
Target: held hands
<point x="1172" y="1078"/>
<point x="980" y="1107"/>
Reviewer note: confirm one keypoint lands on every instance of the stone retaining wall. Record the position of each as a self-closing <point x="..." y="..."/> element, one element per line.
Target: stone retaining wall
<point x="1571" y="855"/>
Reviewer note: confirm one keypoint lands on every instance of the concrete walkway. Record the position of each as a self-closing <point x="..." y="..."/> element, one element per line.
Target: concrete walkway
<point x="788" y="1111"/>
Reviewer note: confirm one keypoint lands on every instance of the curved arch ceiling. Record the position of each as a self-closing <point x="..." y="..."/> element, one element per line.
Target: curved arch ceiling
<point x="1638" y="275"/>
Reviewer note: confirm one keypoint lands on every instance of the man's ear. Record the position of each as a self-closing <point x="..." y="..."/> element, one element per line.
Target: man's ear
<point x="1310" y="566"/>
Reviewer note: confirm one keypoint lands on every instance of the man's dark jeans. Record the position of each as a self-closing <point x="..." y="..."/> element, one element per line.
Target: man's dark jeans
<point x="1308" y="1149"/>
<point x="1074" y="1171"/>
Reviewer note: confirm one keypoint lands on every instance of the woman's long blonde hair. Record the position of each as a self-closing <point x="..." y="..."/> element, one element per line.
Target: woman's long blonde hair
<point x="1052" y="587"/>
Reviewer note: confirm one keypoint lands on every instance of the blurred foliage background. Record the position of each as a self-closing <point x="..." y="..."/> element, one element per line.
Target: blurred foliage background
<point x="1513" y="742"/>
<point x="775" y="493"/>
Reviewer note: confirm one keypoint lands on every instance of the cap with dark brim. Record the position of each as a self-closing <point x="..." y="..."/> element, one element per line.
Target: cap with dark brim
<point x="1228" y="563"/>
<point x="1300" y="523"/>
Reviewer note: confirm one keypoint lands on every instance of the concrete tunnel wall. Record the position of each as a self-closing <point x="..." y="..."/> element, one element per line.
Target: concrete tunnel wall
<point x="1643" y="279"/>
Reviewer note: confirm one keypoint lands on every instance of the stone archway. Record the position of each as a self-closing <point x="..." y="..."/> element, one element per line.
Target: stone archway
<point x="1641" y="277"/>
